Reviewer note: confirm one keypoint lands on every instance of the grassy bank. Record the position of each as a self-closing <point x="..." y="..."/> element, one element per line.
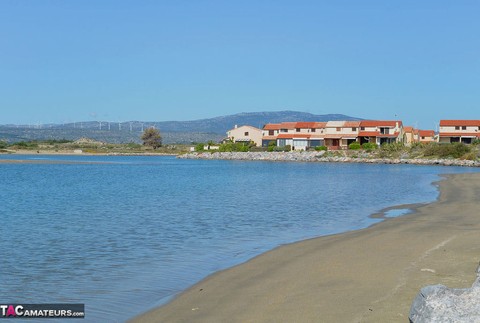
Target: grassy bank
<point x="86" y="146"/>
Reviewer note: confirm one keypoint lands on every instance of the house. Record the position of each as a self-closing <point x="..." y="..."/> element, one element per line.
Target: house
<point x="380" y="132"/>
<point x="305" y="135"/>
<point x="412" y="135"/>
<point x="245" y="134"/>
<point x="340" y="134"/>
<point x="426" y="136"/>
<point x="465" y="131"/>
<point x="298" y="135"/>
<point x="333" y="134"/>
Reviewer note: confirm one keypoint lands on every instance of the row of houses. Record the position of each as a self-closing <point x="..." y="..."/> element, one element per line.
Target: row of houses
<point x="340" y="134"/>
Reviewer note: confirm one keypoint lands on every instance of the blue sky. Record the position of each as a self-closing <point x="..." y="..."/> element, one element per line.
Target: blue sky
<point x="118" y="60"/>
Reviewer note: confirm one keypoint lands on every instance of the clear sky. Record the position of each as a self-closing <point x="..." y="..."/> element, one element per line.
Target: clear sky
<point x="159" y="60"/>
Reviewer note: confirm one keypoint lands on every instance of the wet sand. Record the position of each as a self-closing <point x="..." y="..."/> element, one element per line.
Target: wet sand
<point x="369" y="275"/>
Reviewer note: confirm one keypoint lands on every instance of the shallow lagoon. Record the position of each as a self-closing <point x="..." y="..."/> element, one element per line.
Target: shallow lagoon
<point x="125" y="235"/>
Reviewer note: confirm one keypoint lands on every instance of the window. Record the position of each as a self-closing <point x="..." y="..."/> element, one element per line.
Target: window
<point x="362" y="128"/>
<point x="270" y="132"/>
<point x="313" y="129"/>
<point x="298" y="129"/>
<point x="464" y="128"/>
<point x="423" y="138"/>
<point x="283" y="130"/>
<point x="339" y="129"/>
<point x="354" y="129"/>
<point x="246" y="133"/>
<point x="457" y="128"/>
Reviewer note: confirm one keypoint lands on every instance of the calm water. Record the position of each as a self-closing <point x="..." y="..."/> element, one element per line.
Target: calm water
<point x="125" y="236"/>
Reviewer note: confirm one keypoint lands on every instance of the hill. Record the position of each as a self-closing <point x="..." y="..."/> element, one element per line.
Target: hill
<point x="172" y="131"/>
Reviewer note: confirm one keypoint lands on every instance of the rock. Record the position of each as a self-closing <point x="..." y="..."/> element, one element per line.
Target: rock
<point x="322" y="156"/>
<point x="438" y="303"/>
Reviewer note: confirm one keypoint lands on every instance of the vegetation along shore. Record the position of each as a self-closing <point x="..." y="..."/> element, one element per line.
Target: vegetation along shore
<point x="456" y="154"/>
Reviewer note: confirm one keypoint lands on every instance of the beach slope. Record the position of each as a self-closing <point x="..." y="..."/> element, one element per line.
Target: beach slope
<point x="369" y="275"/>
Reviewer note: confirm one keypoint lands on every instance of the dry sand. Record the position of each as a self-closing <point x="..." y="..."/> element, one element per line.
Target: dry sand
<point x="369" y="275"/>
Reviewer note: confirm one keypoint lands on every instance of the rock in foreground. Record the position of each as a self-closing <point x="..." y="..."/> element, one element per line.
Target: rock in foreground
<point x="439" y="303"/>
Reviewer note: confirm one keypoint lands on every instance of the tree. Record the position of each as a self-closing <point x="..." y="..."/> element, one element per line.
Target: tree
<point x="151" y="137"/>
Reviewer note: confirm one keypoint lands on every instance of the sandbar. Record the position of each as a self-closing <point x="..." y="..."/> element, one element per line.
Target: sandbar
<point x="368" y="275"/>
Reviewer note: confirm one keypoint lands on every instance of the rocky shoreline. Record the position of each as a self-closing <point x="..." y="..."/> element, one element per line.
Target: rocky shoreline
<point x="322" y="156"/>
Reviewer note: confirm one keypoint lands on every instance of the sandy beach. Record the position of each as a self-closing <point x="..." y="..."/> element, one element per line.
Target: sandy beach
<point x="369" y="275"/>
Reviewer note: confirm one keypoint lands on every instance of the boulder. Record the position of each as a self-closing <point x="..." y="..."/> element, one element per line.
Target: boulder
<point x="438" y="303"/>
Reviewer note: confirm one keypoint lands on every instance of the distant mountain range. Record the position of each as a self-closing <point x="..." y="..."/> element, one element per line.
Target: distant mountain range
<point x="172" y="131"/>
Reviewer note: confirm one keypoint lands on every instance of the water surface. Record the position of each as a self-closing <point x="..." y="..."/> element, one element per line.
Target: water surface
<point x="126" y="235"/>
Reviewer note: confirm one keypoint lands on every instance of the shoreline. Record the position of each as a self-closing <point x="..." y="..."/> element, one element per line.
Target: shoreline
<point x="52" y="161"/>
<point x="321" y="157"/>
<point x="371" y="274"/>
<point x="71" y="153"/>
<point x="309" y="157"/>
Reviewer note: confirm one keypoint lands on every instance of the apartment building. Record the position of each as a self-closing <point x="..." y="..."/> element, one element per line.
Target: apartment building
<point x="380" y="132"/>
<point x="465" y="131"/>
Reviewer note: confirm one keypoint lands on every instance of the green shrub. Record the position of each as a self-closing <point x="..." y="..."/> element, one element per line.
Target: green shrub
<point x="319" y="148"/>
<point x="199" y="147"/>
<point x="57" y="141"/>
<point x="470" y="156"/>
<point x="26" y="144"/>
<point x="230" y="146"/>
<point x="281" y="148"/>
<point x="3" y="144"/>
<point x="369" y="146"/>
<point x="455" y="150"/>
<point x="132" y="145"/>
<point x="271" y="145"/>
<point x="354" y="146"/>
<point x="393" y="147"/>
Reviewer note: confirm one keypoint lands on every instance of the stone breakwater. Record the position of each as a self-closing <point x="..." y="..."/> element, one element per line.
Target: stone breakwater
<point x="321" y="156"/>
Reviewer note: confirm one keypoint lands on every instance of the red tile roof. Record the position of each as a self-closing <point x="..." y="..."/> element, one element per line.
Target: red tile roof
<point x="377" y="134"/>
<point x="291" y="136"/>
<point x="320" y="125"/>
<point x="294" y="125"/>
<point x="459" y="134"/>
<point x="453" y="123"/>
<point x="378" y="123"/>
<point x="426" y="133"/>
<point x="288" y="125"/>
<point x="339" y="136"/>
<point x="351" y="124"/>
<point x="368" y="133"/>
<point x="305" y="125"/>
<point x="310" y="125"/>
<point x="272" y="126"/>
